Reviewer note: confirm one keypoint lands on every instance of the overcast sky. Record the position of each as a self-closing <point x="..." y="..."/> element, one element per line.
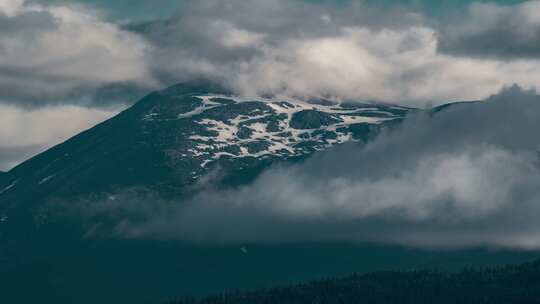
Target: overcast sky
<point x="66" y="65"/>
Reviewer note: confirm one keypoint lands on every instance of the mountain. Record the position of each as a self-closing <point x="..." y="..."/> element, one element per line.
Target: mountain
<point x="165" y="144"/>
<point x="171" y="138"/>
<point x="504" y="285"/>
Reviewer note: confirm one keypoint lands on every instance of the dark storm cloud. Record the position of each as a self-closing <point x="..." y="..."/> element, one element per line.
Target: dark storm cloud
<point x="467" y="176"/>
<point x="510" y="32"/>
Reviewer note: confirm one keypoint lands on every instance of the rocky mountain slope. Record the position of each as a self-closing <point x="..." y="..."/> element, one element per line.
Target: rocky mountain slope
<point x="171" y="138"/>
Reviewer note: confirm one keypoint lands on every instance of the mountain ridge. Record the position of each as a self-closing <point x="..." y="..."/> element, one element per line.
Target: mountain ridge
<point x="174" y="136"/>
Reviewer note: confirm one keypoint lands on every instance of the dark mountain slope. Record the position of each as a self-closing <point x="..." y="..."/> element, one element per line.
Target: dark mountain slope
<point x="117" y="153"/>
<point x="171" y="138"/>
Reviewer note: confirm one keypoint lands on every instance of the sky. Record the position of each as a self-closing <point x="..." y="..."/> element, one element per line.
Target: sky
<point x="67" y="65"/>
<point x="132" y="10"/>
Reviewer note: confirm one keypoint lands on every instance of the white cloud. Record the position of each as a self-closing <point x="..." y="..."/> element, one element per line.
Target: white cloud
<point x="400" y="66"/>
<point x="491" y="30"/>
<point x="50" y="53"/>
<point x="336" y="53"/>
<point x="349" y="51"/>
<point x="10" y="7"/>
<point x="237" y="38"/>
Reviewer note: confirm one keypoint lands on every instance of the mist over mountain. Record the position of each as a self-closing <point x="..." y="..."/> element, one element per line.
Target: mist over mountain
<point x="189" y="164"/>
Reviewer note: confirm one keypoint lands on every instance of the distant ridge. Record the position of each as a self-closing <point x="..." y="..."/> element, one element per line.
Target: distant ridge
<point x="452" y="105"/>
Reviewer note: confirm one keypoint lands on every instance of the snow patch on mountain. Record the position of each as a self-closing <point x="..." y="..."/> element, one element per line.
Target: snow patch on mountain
<point x="237" y="127"/>
<point x="46" y="179"/>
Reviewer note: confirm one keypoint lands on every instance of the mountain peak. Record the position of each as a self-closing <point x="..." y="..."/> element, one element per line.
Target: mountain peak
<point x="195" y="87"/>
<point x="173" y="137"/>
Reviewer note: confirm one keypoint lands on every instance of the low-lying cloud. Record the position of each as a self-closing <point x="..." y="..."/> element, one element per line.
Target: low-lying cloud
<point x="465" y="177"/>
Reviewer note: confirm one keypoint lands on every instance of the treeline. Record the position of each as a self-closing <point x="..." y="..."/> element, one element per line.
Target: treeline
<point x="504" y="285"/>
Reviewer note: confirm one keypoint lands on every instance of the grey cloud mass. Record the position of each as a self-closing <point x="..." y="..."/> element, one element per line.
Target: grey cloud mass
<point x="62" y="54"/>
<point x="347" y="51"/>
<point x="68" y="53"/>
<point x="225" y="41"/>
<point x="467" y="176"/>
<point x="495" y="31"/>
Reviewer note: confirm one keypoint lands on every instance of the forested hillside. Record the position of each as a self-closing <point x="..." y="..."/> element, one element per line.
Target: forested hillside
<point x="508" y="285"/>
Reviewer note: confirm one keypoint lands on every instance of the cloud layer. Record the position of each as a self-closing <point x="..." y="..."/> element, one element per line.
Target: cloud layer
<point x="69" y="54"/>
<point x="348" y="50"/>
<point x="63" y="54"/>
<point x="465" y="177"/>
<point x="496" y="31"/>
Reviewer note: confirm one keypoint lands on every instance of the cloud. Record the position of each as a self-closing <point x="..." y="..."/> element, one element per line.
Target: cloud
<point x="465" y="177"/>
<point x="69" y="54"/>
<point x="24" y="133"/>
<point x="62" y="54"/>
<point x="396" y="66"/>
<point x="10" y="7"/>
<point x="348" y="51"/>
<point x="497" y="31"/>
